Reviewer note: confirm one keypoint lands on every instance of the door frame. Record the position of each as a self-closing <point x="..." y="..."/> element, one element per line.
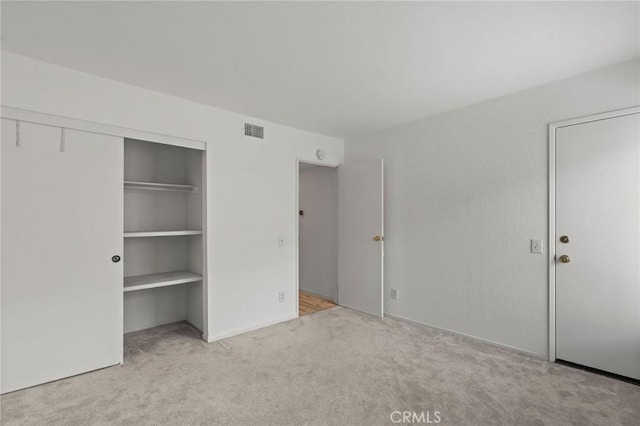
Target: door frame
<point x="314" y="162"/>
<point x="552" y="209"/>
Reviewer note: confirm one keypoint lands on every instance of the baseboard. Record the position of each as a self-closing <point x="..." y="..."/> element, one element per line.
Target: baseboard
<point x="313" y="293"/>
<point x="543" y="357"/>
<point x="248" y="329"/>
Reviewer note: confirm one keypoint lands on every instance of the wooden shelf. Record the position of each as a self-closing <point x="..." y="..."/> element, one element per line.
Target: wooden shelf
<point x="155" y="186"/>
<point x="145" y="234"/>
<point x="143" y="282"/>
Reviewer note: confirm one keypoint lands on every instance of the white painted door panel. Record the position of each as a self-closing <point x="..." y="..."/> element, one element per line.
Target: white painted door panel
<point x="598" y="208"/>
<point x="360" y="282"/>
<point x="62" y="221"/>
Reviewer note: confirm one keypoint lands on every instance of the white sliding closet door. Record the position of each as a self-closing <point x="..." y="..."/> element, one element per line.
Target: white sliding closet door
<point x="62" y="221"/>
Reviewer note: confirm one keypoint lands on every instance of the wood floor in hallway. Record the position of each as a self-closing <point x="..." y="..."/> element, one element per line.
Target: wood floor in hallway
<point x="308" y="304"/>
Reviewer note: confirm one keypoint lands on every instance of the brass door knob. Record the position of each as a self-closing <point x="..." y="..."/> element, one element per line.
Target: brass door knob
<point x="377" y="238"/>
<point x="565" y="259"/>
<point x="564" y="239"/>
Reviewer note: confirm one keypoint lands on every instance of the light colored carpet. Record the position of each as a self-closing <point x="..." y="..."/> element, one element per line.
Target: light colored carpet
<point x="335" y="367"/>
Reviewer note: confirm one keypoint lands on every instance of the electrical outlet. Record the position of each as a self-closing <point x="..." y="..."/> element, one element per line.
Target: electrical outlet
<point x="281" y="296"/>
<point x="394" y="294"/>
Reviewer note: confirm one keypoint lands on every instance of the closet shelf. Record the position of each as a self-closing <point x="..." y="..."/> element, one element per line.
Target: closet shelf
<point x="143" y="282"/>
<point x="160" y="234"/>
<point x="155" y="186"/>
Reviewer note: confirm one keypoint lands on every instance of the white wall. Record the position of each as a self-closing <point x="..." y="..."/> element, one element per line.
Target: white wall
<point x="318" y="231"/>
<point x="465" y="192"/>
<point x="251" y="185"/>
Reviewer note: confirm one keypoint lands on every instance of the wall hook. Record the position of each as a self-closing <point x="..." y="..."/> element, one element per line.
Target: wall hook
<point x="17" y="134"/>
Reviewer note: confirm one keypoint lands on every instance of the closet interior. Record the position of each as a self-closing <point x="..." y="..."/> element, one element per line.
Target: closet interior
<point x="164" y="223"/>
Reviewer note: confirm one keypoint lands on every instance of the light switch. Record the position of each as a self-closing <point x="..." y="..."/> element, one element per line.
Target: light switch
<point x="281" y="241"/>
<point x="536" y="246"/>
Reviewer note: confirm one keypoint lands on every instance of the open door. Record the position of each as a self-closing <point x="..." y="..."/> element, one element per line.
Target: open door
<point x="360" y="277"/>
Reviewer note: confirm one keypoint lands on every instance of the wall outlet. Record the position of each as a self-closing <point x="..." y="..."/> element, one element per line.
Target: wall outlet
<point x="281" y="296"/>
<point x="394" y="294"/>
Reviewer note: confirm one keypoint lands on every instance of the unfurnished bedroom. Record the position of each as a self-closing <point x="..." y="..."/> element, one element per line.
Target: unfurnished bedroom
<point x="320" y="213"/>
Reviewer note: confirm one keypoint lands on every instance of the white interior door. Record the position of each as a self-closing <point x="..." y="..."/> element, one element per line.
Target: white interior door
<point x="62" y="221"/>
<point x="597" y="228"/>
<point x="360" y="277"/>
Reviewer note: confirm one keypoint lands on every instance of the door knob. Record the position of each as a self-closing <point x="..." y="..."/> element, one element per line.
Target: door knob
<point x="377" y="238"/>
<point x="565" y="259"/>
<point x="564" y="239"/>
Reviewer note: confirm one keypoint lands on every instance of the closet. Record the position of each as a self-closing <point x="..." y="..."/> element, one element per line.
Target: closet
<point x="101" y="235"/>
<point x="163" y="235"/>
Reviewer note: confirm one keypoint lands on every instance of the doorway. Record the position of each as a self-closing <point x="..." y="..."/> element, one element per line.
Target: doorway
<point x="317" y="237"/>
<point x="595" y="255"/>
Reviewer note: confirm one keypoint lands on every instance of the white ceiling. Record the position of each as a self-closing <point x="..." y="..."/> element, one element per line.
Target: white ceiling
<point x="335" y="68"/>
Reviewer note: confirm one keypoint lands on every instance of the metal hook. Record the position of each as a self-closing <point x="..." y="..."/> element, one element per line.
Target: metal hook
<point x="17" y="134"/>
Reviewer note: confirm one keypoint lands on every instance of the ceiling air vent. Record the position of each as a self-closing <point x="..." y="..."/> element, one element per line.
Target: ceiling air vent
<point x="253" y="131"/>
